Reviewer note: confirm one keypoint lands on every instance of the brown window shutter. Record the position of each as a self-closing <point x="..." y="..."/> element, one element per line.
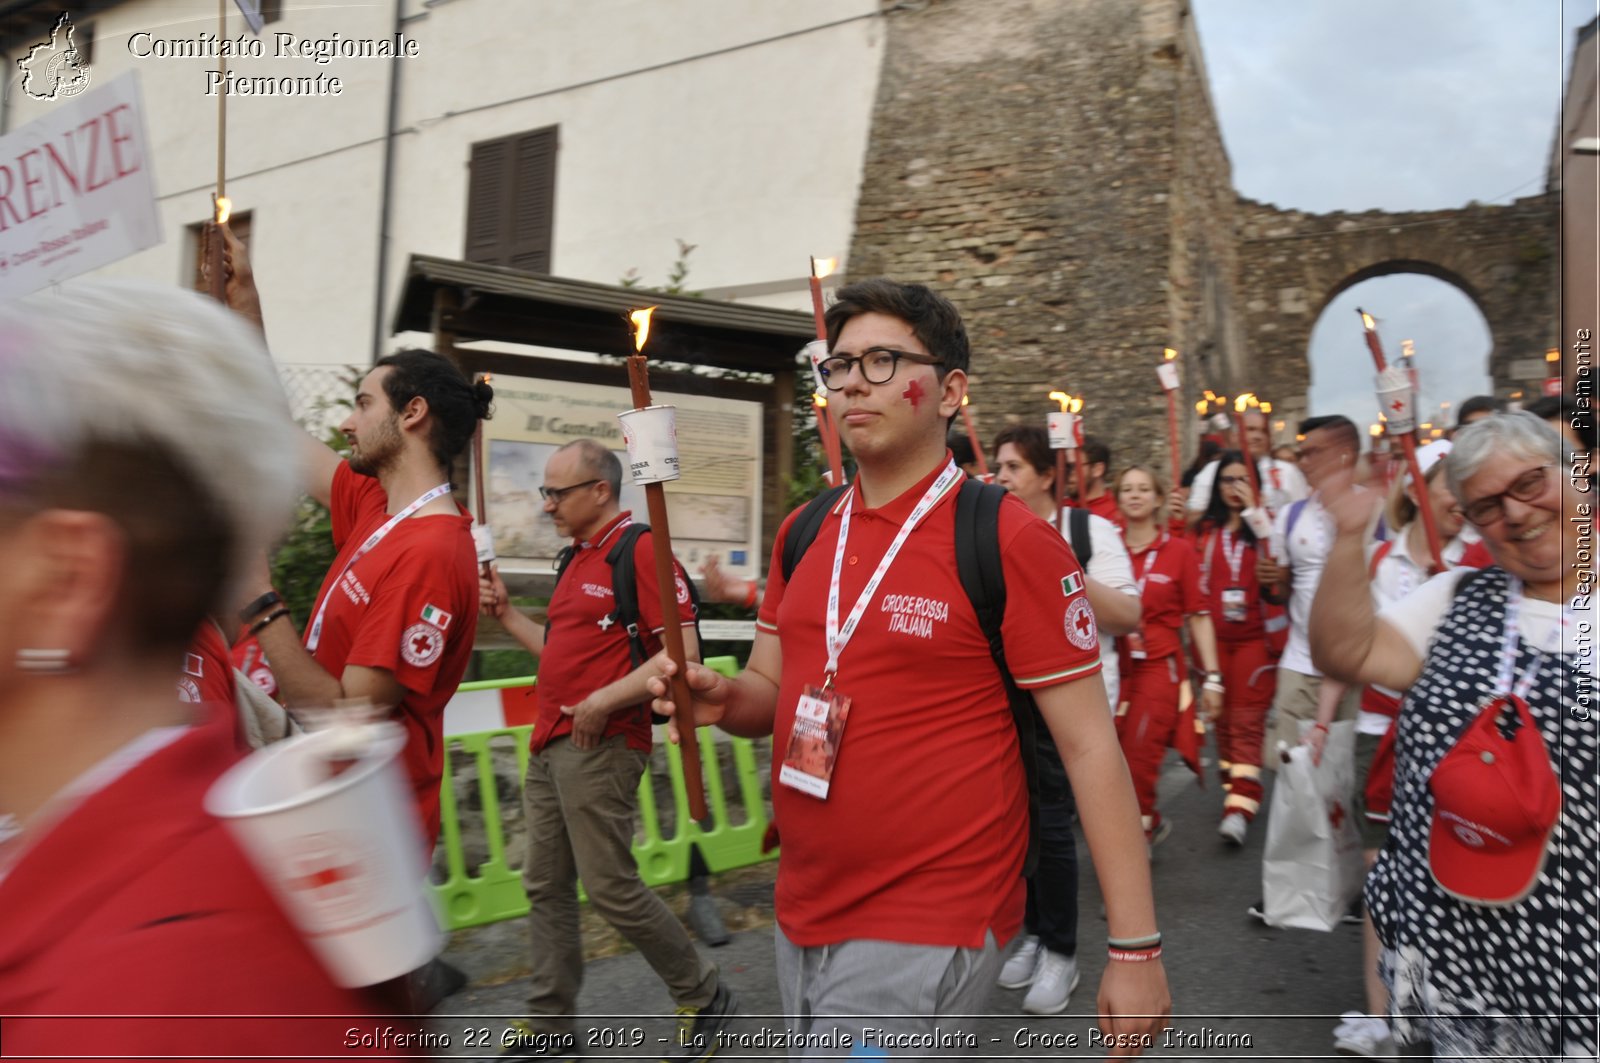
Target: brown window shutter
<point x="532" y="209"/>
<point x="487" y="198"/>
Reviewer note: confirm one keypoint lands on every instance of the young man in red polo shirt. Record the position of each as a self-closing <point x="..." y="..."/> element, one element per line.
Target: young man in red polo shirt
<point x="591" y="744"/>
<point x="394" y="621"/>
<point x="900" y="882"/>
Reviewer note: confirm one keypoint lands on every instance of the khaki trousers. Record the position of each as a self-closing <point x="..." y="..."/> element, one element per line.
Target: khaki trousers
<point x="579" y="809"/>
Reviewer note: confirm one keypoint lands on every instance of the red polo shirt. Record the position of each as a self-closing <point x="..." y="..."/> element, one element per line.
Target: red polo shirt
<point x="1218" y="575"/>
<point x="409" y="607"/>
<point x="587" y="649"/>
<point x="922" y="835"/>
<point x="1169" y="577"/>
<point x="208" y="680"/>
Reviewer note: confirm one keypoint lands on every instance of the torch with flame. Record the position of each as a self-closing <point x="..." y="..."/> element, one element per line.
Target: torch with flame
<point x="820" y="268"/>
<point x="1167" y="371"/>
<point x="667" y="582"/>
<point x="482" y="537"/>
<point x="1408" y="443"/>
<point x="1066" y="433"/>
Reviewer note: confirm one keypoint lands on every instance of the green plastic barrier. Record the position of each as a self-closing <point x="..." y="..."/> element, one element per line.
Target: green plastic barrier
<point x="495" y="892"/>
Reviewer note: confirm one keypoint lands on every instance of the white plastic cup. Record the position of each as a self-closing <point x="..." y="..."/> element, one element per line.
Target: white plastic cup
<point x="651" y="436"/>
<point x="1063" y="431"/>
<point x="341" y="852"/>
<point x="1260" y="522"/>
<point x="1168" y="373"/>
<point x="483" y="542"/>
<point x="1396" y="400"/>
<point x="815" y="352"/>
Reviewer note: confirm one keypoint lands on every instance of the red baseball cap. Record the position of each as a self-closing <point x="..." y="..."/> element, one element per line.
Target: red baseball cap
<point x="1495" y="804"/>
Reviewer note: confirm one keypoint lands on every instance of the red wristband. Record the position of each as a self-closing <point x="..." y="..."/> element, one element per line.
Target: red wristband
<point x="1141" y="956"/>
<point x="1319" y="727"/>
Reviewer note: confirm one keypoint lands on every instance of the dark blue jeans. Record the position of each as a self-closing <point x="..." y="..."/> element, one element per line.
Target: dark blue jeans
<point x="1052" y="911"/>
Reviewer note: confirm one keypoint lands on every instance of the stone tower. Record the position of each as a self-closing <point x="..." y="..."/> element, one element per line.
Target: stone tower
<point x="1055" y="167"/>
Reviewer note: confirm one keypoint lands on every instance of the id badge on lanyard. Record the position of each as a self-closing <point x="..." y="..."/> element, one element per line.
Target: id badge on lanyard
<point x="821" y="712"/>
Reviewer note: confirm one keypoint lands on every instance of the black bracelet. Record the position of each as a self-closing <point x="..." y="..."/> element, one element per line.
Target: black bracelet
<point x="276" y="614"/>
<point x="266" y="601"/>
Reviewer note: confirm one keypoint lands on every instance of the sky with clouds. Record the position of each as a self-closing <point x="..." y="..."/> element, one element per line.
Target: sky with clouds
<point x="1393" y="105"/>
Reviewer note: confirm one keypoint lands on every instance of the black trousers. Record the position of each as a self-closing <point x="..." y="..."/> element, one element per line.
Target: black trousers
<point x="1052" y="911"/>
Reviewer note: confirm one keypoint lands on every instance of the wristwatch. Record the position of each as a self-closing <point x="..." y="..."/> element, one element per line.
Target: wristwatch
<point x="259" y="606"/>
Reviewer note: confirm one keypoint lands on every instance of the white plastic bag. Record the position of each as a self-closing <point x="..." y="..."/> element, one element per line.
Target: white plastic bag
<point x="1312" y="868"/>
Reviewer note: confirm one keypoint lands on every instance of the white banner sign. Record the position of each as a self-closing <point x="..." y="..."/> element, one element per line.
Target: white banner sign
<point x="76" y="189"/>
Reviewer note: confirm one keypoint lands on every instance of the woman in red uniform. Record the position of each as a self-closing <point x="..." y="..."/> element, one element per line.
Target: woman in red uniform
<point x="1168" y="575"/>
<point x="1249" y="673"/>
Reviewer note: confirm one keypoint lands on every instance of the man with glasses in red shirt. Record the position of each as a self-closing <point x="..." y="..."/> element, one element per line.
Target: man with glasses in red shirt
<point x="590" y="745"/>
<point x="901" y="879"/>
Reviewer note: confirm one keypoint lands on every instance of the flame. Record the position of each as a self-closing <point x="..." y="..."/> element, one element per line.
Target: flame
<point x="818" y="401"/>
<point x="224" y="209"/>
<point x="1278" y="426"/>
<point x="1169" y="354"/>
<point x="1553" y="354"/>
<point x="1375" y="431"/>
<point x="641" y="326"/>
<point x="1077" y="405"/>
<point x="1200" y="406"/>
<point x="1407" y="348"/>
<point x="966" y="400"/>
<point x="1244" y="402"/>
<point x="821" y="267"/>
<point x="1366" y="320"/>
<point x="1266" y="407"/>
<point x="1210" y="395"/>
<point x="1063" y="398"/>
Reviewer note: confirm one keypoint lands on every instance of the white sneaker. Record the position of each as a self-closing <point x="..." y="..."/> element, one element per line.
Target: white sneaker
<point x="1359" y="1034"/>
<point x="1023" y="965"/>
<point x="1234" y="827"/>
<point x="1052" y="985"/>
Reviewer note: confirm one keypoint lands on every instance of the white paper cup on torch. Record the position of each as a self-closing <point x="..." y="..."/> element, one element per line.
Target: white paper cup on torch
<point x="651" y="436"/>
<point x="1397" y="400"/>
<point x="1260" y="522"/>
<point x="483" y="542"/>
<point x="1063" y="431"/>
<point x="338" y="846"/>
<point x="1168" y="372"/>
<point x="815" y="352"/>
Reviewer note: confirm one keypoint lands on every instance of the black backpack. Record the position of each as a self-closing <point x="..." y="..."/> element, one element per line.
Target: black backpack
<point x="983" y="578"/>
<point x="625" y="591"/>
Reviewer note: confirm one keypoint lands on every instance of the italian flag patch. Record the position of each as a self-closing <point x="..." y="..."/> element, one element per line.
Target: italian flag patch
<point x="436" y="616"/>
<point x="1072" y="584"/>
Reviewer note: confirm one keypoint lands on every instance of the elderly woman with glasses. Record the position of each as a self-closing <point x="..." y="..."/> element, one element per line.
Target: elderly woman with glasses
<point x="1484" y="897"/>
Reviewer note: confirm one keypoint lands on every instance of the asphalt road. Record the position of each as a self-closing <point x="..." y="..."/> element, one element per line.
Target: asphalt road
<point x="1240" y="990"/>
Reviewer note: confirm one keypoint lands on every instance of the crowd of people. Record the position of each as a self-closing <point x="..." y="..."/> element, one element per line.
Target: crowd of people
<point x="929" y="847"/>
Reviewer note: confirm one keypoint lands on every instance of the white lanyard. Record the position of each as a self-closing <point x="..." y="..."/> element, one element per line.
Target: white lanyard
<point x="1150" y="559"/>
<point x="838" y="637"/>
<point x="1508" y="649"/>
<point x="1233" y="554"/>
<point x="314" y="636"/>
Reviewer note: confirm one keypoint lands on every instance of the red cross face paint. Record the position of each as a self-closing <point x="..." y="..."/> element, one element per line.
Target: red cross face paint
<point x="914" y="394"/>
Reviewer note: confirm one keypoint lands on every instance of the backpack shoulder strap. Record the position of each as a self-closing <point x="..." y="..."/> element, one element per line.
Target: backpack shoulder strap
<point x="803" y="532"/>
<point x="625" y="588"/>
<point x="1295" y="510"/>
<point x="563" y="559"/>
<point x="983" y="578"/>
<point x="1082" y="541"/>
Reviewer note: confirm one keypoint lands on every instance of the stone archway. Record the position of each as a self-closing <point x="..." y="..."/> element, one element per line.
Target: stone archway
<point x="1292" y="264"/>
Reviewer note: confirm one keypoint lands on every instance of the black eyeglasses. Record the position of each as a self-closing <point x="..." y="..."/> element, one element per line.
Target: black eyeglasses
<point x="556" y="494"/>
<point x="1525" y="488"/>
<point x="877" y="366"/>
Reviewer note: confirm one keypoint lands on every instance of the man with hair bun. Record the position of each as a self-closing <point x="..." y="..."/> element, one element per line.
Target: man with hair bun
<point x="394" y="620"/>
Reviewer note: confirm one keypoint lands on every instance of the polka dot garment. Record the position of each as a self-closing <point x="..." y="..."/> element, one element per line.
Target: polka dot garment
<point x="1479" y="981"/>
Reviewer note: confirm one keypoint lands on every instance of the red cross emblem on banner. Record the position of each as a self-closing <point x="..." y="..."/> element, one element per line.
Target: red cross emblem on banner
<point x="1397" y="405"/>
